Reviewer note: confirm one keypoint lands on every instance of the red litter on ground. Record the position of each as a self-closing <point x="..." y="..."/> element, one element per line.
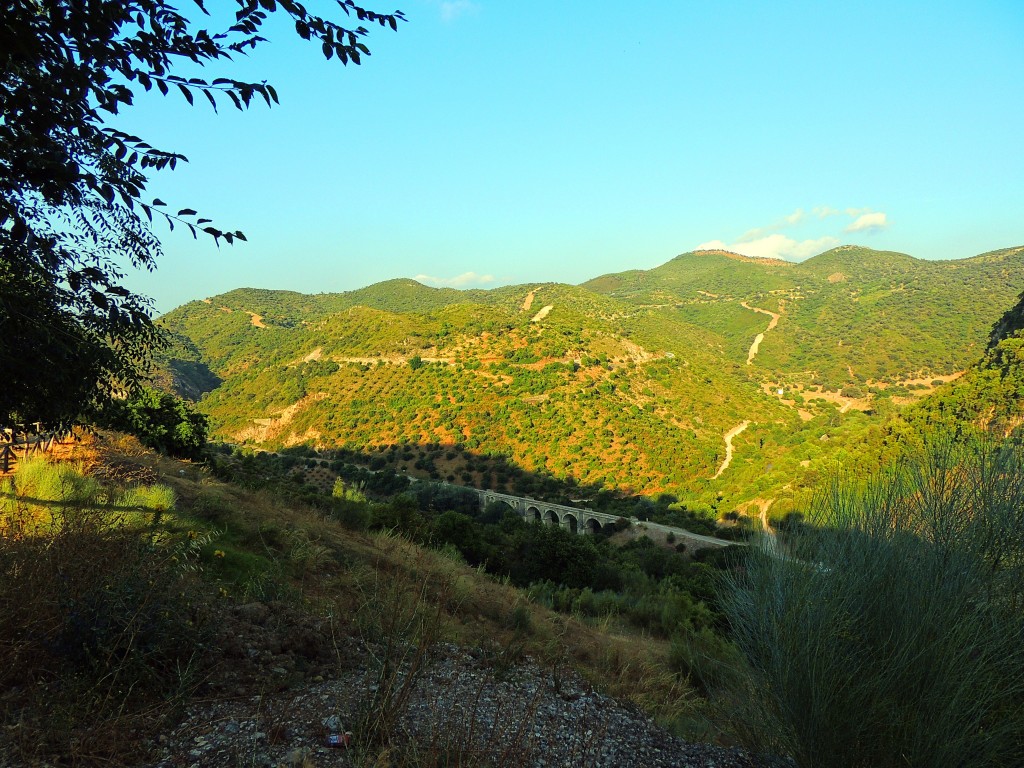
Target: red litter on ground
<point x="339" y="740"/>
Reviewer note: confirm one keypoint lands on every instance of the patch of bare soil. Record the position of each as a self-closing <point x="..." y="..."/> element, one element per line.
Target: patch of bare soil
<point x="752" y="353"/>
<point x="265" y="429"/>
<point x="542" y="314"/>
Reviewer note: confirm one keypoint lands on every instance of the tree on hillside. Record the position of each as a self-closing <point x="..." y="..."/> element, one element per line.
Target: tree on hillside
<point x="72" y="185"/>
<point x="160" y="420"/>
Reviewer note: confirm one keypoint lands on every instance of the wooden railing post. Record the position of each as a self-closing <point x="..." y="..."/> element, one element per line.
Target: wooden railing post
<point x="33" y="442"/>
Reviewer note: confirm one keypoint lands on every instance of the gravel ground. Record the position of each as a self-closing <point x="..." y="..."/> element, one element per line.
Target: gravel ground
<point x="283" y="686"/>
<point x="461" y="707"/>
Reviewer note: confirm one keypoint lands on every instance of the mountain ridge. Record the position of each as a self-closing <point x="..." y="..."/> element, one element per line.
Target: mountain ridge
<point x="631" y="380"/>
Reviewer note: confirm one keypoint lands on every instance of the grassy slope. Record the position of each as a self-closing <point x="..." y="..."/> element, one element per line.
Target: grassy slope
<point x="257" y="547"/>
<point x="883" y="315"/>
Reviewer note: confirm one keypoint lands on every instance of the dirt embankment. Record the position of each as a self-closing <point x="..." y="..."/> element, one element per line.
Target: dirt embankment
<point x="542" y="314"/>
<point x="528" y="301"/>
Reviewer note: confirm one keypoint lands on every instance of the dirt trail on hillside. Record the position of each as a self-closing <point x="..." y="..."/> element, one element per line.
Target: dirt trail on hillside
<point x="728" y="446"/>
<point x="542" y="314"/>
<point x="528" y="301"/>
<point x="257" y="320"/>
<point x="752" y="353"/>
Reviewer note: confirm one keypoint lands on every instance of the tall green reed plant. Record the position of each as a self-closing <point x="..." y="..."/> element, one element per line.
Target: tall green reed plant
<point x="892" y="634"/>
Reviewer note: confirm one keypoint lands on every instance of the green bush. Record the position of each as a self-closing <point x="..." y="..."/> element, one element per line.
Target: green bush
<point x="893" y="637"/>
<point x="161" y="421"/>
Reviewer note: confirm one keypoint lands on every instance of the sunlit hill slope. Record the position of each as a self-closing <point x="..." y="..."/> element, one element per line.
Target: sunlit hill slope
<point x="628" y="381"/>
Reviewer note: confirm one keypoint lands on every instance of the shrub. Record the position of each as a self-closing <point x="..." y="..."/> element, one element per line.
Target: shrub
<point x="161" y="421"/>
<point x="706" y="659"/>
<point x="894" y="636"/>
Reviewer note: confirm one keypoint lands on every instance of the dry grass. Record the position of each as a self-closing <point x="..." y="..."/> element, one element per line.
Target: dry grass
<point x="99" y="624"/>
<point x="279" y="547"/>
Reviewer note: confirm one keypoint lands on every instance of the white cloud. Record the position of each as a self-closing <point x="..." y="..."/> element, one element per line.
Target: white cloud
<point x="459" y="281"/>
<point x="712" y="245"/>
<point x="786" y="221"/>
<point x="775" y="246"/>
<point x="867" y="222"/>
<point x="795" y="217"/>
<point x="779" y="246"/>
<point x="769" y="243"/>
<point x="452" y="9"/>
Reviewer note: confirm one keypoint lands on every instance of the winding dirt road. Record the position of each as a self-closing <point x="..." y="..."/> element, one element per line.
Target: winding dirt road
<point x="752" y="353"/>
<point x="728" y="446"/>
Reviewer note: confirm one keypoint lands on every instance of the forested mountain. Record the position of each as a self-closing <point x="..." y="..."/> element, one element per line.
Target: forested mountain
<point x="630" y="381"/>
<point x="850" y="314"/>
<point x="990" y="394"/>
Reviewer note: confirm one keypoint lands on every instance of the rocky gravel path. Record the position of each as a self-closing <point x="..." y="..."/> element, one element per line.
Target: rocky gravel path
<point x="463" y="706"/>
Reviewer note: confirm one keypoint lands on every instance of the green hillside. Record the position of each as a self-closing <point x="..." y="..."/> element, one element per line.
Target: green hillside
<point x="849" y="316"/>
<point x="627" y="382"/>
<point x="989" y="396"/>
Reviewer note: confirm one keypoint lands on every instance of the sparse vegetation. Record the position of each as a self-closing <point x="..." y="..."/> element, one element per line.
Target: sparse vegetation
<point x="237" y="547"/>
<point x="101" y="624"/>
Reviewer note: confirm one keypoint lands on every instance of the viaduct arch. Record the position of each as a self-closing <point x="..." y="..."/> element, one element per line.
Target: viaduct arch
<point x="581" y="521"/>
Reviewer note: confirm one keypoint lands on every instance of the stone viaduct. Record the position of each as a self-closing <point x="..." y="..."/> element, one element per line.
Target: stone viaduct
<point x="570" y="518"/>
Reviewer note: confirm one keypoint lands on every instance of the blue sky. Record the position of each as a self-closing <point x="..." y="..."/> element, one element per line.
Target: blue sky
<point x="488" y="143"/>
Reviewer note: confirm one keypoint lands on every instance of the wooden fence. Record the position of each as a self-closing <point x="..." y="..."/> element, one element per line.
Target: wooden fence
<point x="18" y="445"/>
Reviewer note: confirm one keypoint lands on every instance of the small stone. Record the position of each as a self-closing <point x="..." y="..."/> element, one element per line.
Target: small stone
<point x="332" y="723"/>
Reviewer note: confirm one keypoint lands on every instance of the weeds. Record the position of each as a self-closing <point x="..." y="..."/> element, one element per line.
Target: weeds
<point x="399" y="626"/>
<point x="99" y="625"/>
